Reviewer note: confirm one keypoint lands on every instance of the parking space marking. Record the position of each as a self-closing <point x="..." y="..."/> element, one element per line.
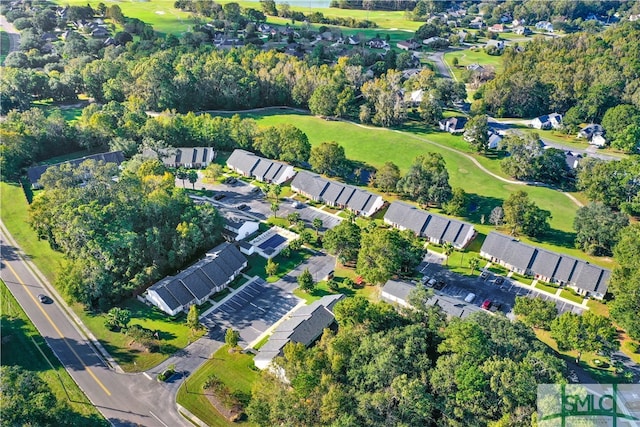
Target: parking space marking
<point x="259" y="308"/>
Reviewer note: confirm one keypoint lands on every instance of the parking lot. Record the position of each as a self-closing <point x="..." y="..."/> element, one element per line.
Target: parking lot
<point x="252" y="310"/>
<point x="504" y="294"/>
<point x="241" y="193"/>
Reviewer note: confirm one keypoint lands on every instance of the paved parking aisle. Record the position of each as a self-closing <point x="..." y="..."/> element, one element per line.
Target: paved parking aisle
<point x="486" y="288"/>
<point x="252" y="310"/>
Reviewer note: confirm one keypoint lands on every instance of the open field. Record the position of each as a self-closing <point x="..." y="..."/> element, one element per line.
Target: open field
<point x="160" y="14"/>
<point x="235" y="370"/>
<point x="23" y="346"/>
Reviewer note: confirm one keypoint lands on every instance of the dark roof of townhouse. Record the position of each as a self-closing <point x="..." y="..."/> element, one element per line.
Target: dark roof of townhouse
<point x="332" y="192"/>
<point x="309" y="183"/>
<point x="35" y="173"/>
<point x="452" y="306"/>
<point x="311" y="328"/>
<point x="359" y="199"/>
<point x="427" y="223"/>
<point x="191" y="155"/>
<point x="398" y="289"/>
<point x="545" y="263"/>
<point x="243" y="161"/>
<point x="549" y="264"/>
<point x="345" y="196"/>
<point x="166" y="296"/>
<point x="179" y="291"/>
<point x="260" y="170"/>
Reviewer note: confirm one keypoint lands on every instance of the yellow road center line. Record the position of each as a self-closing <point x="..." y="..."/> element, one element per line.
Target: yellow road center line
<point x="58" y="330"/>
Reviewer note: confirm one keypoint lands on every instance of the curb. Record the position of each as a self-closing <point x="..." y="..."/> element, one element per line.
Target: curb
<point x="76" y="322"/>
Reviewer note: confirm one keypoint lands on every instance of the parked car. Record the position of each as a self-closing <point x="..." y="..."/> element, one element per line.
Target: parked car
<point x="230" y="180"/>
<point x="219" y="196"/>
<point x="432" y="282"/>
<point x="484" y="274"/>
<point x="495" y="306"/>
<point x="44" y="299"/>
<point x="470" y="297"/>
<point x="242" y="207"/>
<point x="499" y="280"/>
<point x="425" y="280"/>
<point x="439" y="285"/>
<point x="486" y="304"/>
<point x="296" y="204"/>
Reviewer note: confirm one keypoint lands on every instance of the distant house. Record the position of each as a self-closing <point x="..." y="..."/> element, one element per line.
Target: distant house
<point x="572" y="159"/>
<point x="304" y="326"/>
<point x="545" y="26"/>
<point x="453" y="124"/>
<point x="264" y="170"/>
<point x="549" y="121"/>
<point x="497" y="28"/>
<point x="476" y="23"/>
<point x="476" y="68"/>
<point x="35" y="173"/>
<point x="518" y="22"/>
<point x="378" y="43"/>
<point x="238" y="225"/>
<point x="436" y="228"/>
<point x="396" y="293"/>
<point x="494" y="140"/>
<point x="523" y="31"/>
<point x="498" y="44"/>
<point x="434" y="41"/>
<point x="416" y="96"/>
<point x="586" y="279"/>
<point x="336" y="194"/>
<point x="186" y="157"/>
<point x="598" y="140"/>
<point x="410" y="44"/>
<point x="635" y="17"/>
<point x="99" y="32"/>
<point x="197" y="283"/>
<point x="590" y="130"/>
<point x="353" y="40"/>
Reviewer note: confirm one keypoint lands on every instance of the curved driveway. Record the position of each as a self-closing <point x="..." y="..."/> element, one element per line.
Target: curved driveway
<point x="14" y="35"/>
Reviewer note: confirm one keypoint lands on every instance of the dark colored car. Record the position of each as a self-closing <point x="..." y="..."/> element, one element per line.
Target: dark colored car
<point x="439" y="285"/>
<point x="242" y="207"/>
<point x="496" y="306"/>
<point x="44" y="299"/>
<point x="484" y="274"/>
<point x="486" y="304"/>
<point x="219" y="196"/>
<point x="499" y="280"/>
<point x="230" y="180"/>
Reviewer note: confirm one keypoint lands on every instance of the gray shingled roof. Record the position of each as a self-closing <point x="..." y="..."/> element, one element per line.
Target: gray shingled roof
<point x="359" y="200"/>
<point x="261" y="169"/>
<point x="345" y="196"/>
<point x="180" y="292"/>
<point x="332" y="192"/>
<point x="311" y="328"/>
<point x="166" y="296"/>
<point x="35" y="173"/>
<point x="545" y="263"/>
<point x="310" y="184"/>
<point x="436" y="227"/>
<point x="398" y="289"/>
<point x="275" y="171"/>
<point x="243" y="161"/>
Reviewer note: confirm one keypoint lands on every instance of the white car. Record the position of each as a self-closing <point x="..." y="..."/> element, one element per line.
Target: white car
<point x="470" y="297"/>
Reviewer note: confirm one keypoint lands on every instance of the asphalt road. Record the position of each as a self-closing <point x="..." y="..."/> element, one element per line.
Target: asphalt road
<point x="124" y="399"/>
<point x="14" y="35"/>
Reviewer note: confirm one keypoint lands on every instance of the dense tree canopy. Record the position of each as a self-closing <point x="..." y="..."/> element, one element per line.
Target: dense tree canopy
<point x="576" y="70"/>
<point x="615" y="184"/>
<point x="384" y="253"/>
<point x="625" y="281"/>
<point x="427" y="181"/>
<point x="121" y="235"/>
<point x="523" y="216"/>
<point x="598" y="228"/>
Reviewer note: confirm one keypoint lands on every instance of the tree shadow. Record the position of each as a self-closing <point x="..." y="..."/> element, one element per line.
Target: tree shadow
<point x="479" y="206"/>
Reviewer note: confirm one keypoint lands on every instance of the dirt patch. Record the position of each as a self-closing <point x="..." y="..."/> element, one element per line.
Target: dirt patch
<point x="136" y="346"/>
<point x="232" y="414"/>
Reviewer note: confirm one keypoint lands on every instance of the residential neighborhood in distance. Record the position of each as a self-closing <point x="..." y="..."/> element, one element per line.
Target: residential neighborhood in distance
<point x="318" y="212"/>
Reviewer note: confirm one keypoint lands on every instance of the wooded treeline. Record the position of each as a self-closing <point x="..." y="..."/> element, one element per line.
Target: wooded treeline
<point x="383" y="368"/>
<point x="119" y="232"/>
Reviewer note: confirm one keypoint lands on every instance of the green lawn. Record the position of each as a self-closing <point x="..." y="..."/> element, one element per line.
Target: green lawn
<point x="161" y="14"/>
<point x="173" y="334"/>
<point x="384" y="19"/>
<point x="375" y="146"/>
<point x="547" y="287"/>
<point x="285" y="265"/>
<point x="571" y="296"/>
<point x="23" y="346"/>
<point x="4" y="45"/>
<point x="235" y="370"/>
<point x="472" y="56"/>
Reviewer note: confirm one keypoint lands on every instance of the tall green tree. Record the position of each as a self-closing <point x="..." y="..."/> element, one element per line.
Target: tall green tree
<point x="535" y="312"/>
<point x="384" y="253"/>
<point x="193" y="318"/>
<point x="231" y="337"/>
<point x="597" y="228"/>
<point x="343" y="241"/>
<point x="427" y="180"/>
<point x="523" y="216"/>
<point x="477" y="133"/>
<point x="329" y="158"/>
<point x="582" y="333"/>
<point x="387" y="177"/>
<point x="305" y="281"/>
<point x="625" y="281"/>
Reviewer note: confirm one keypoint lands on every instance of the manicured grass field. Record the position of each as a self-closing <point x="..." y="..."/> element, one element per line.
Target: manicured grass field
<point x="547" y="288"/>
<point x="173" y="335"/>
<point x="472" y="56"/>
<point x="23" y="346"/>
<point x="4" y="45"/>
<point x="384" y="19"/>
<point x="160" y="14"/>
<point x="235" y="370"/>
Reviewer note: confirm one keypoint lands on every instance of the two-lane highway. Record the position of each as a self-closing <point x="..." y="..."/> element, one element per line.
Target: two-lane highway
<point x="124" y="399"/>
